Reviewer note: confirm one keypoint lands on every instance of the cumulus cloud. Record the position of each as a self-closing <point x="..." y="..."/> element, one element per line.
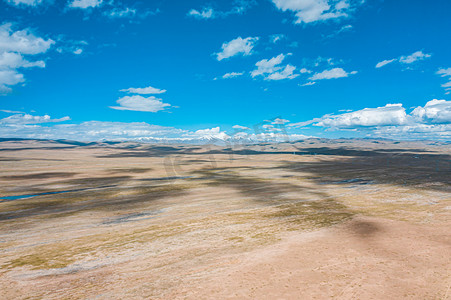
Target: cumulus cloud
<point x="13" y="46"/>
<point x="144" y="91"/>
<point x="431" y="121"/>
<point x="140" y="103"/>
<point x="434" y="112"/>
<point x="212" y="133"/>
<point x="272" y="69"/>
<point x="83" y="4"/>
<point x="391" y="114"/>
<point x="237" y="46"/>
<point x="308" y="11"/>
<point x="331" y="74"/>
<point x="22" y="41"/>
<point x="405" y="59"/>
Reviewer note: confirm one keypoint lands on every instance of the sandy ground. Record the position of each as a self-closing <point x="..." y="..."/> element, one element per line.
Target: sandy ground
<point x="316" y="219"/>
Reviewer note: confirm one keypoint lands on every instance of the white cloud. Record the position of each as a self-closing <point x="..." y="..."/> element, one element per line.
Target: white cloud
<point x="121" y="12"/>
<point x="331" y="74"/>
<point x="205" y="13"/>
<point x="309" y="83"/>
<point x="431" y="121"/>
<point x="276" y="37"/>
<point x="304" y="70"/>
<point x="384" y="62"/>
<point x="286" y="73"/>
<point x="239" y="7"/>
<point x="308" y="11"/>
<point x="94" y="131"/>
<point x="278" y="121"/>
<point x="24" y="2"/>
<point x="405" y="59"/>
<point x="237" y="46"/>
<point x="13" y="45"/>
<point x="140" y="103"/>
<point x="212" y="133"/>
<point x="446" y="73"/>
<point x="391" y="114"/>
<point x="416" y="56"/>
<point x="83" y="4"/>
<point x="30" y="119"/>
<point x="144" y="91"/>
<point x="13" y="60"/>
<point x="265" y="66"/>
<point x="415" y="131"/>
<point x="434" y="112"/>
<point x="272" y="70"/>
<point x="7" y="78"/>
<point x="136" y="131"/>
<point x="22" y="41"/>
<point x="232" y="75"/>
<point x="239" y="127"/>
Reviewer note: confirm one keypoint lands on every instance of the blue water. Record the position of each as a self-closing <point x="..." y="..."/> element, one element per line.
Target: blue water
<point x="21" y="197"/>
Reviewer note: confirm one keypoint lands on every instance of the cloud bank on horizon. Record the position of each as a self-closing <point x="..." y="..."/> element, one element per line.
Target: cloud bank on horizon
<point x="230" y="70"/>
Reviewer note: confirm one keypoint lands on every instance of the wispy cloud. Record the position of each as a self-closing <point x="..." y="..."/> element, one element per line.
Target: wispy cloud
<point x="208" y="12"/>
<point x="144" y="91"/>
<point x="446" y="73"/>
<point x="405" y="59"/>
<point x="232" y="75"/>
<point x="331" y="74"/>
<point x="24" y="2"/>
<point x="274" y="38"/>
<point x="84" y="4"/>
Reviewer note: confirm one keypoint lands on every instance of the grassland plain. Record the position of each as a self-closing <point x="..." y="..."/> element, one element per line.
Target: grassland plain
<point x="313" y="219"/>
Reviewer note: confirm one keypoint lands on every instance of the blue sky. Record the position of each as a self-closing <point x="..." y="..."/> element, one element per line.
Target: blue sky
<point x="247" y="69"/>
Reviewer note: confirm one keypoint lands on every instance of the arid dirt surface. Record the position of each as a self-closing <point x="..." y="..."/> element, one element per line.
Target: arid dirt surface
<point x="314" y="219"/>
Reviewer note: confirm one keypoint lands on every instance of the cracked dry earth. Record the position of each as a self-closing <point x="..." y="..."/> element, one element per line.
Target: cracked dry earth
<point x="315" y="219"/>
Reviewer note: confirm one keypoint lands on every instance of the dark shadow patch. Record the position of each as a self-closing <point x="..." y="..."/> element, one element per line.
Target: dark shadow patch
<point x="152" y="151"/>
<point x="319" y="211"/>
<point x="100" y="199"/>
<point x="38" y="176"/>
<point x="430" y="171"/>
<point x="364" y="229"/>
<point x="129" y="170"/>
